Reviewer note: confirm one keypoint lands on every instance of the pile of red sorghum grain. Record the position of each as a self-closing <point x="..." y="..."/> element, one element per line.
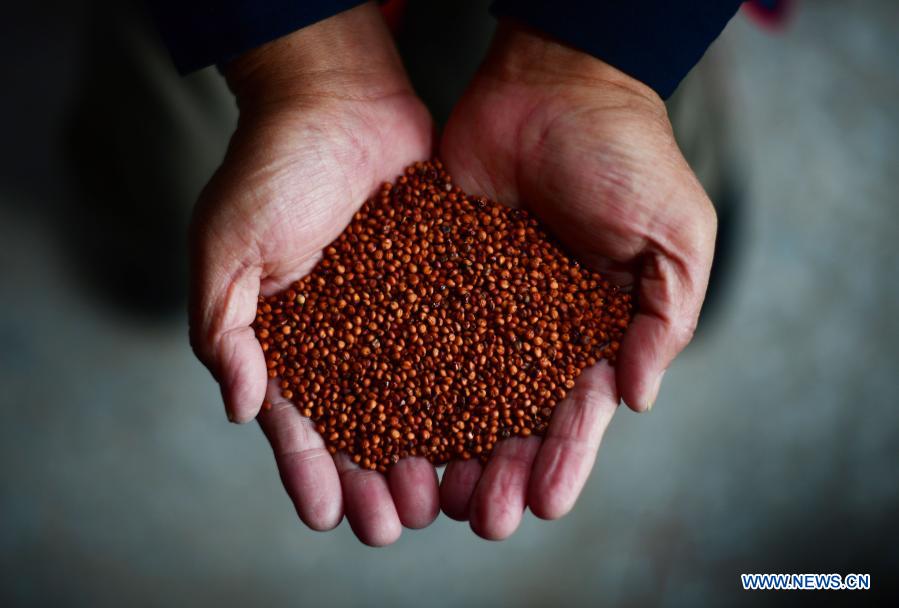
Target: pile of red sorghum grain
<point x="436" y="325"/>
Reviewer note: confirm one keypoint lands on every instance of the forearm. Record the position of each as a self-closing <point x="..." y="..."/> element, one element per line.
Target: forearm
<point x="348" y="56"/>
<point x="203" y="32"/>
<point x="654" y="41"/>
<point x="523" y="55"/>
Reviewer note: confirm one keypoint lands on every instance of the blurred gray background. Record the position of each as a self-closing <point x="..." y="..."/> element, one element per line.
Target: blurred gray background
<point x="773" y="447"/>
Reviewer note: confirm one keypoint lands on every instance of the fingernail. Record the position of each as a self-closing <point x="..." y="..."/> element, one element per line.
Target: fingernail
<point x="231" y="417"/>
<point x="654" y="394"/>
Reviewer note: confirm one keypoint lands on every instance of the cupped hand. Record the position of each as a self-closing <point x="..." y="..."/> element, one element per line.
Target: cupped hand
<point x="590" y="151"/>
<point x="326" y="115"/>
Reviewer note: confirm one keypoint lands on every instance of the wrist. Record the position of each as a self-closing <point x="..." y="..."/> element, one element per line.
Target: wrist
<point x="350" y="56"/>
<point x="523" y="56"/>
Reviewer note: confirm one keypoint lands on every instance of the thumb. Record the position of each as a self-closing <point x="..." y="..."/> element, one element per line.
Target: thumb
<point x="224" y="296"/>
<point x="670" y="290"/>
<point x="662" y="326"/>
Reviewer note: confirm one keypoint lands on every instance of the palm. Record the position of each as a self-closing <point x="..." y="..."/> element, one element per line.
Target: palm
<point x="608" y="180"/>
<point x="289" y="185"/>
<point x="293" y="178"/>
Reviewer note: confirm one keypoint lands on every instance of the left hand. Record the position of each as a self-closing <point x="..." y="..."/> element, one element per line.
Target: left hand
<point x="590" y="151"/>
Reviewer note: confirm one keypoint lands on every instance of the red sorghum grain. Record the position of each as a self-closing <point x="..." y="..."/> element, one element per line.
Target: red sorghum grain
<point x="436" y="325"/>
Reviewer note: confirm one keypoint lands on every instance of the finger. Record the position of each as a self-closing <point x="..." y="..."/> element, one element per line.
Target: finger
<point x="307" y="469"/>
<point x="498" y="503"/>
<point x="413" y="485"/>
<point x="569" y="448"/>
<point x="669" y="300"/>
<point x="459" y="481"/>
<point x="224" y="294"/>
<point x="368" y="504"/>
<point x="241" y="373"/>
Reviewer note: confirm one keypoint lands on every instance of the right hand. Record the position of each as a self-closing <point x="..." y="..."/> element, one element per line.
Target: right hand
<point x="326" y="114"/>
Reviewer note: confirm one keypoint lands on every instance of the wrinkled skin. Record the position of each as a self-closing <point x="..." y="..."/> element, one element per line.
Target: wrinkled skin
<point x="590" y="151"/>
<point x="326" y="115"/>
<point x="317" y="135"/>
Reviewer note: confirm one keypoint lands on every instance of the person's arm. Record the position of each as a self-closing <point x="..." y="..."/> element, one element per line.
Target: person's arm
<point x="203" y="32"/>
<point x="655" y="41"/>
<point x="590" y="151"/>
<point x="326" y="114"/>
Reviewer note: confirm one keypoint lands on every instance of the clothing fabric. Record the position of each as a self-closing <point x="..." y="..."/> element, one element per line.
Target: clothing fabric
<point x="199" y="33"/>
<point x="655" y="41"/>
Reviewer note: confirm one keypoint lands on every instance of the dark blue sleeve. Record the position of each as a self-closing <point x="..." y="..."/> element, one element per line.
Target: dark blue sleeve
<point x="202" y="32"/>
<point x="655" y="41"/>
